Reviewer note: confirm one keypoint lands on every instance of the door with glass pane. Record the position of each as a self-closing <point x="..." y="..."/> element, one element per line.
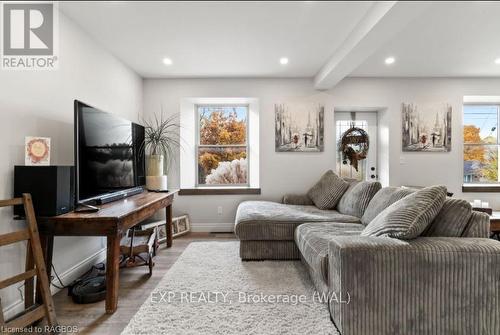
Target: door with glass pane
<point x="367" y="168"/>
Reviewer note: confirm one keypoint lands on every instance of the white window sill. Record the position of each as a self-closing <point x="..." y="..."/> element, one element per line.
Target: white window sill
<point x="219" y="190"/>
<point x="481" y="188"/>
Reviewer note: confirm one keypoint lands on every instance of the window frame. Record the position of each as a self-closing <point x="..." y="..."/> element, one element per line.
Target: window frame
<point x="197" y="145"/>
<point x="480" y="187"/>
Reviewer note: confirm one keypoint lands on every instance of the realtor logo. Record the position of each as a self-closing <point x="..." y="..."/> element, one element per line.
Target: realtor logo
<point x="29" y="36"/>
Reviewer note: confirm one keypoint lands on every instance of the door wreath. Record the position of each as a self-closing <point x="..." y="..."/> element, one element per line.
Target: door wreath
<point x="354" y="145"/>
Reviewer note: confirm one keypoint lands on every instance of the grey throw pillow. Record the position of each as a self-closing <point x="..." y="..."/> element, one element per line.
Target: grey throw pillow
<point x="383" y="199"/>
<point x="357" y="197"/>
<point x="452" y="220"/>
<point x="409" y="217"/>
<point x="328" y="190"/>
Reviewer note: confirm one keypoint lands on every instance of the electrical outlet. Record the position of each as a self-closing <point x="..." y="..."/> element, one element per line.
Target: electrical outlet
<point x="219" y="210"/>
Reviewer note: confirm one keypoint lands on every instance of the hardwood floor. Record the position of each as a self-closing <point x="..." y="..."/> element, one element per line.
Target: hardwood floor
<point x="135" y="286"/>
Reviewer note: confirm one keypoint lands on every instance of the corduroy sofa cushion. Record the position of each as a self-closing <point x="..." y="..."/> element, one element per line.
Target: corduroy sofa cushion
<point x="478" y="225"/>
<point x="409" y="217"/>
<point x="383" y="199"/>
<point x="327" y="192"/>
<point x="297" y="199"/>
<point x="452" y="220"/>
<point x="312" y="240"/>
<point x="357" y="197"/>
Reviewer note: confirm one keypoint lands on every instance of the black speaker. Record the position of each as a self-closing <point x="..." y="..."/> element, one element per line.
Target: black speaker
<point x="52" y="188"/>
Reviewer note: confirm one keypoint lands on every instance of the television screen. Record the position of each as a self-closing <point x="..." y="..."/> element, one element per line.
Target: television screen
<point x="109" y="153"/>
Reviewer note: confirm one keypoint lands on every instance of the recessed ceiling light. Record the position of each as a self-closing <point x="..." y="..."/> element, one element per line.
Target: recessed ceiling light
<point x="497" y="61"/>
<point x="390" y="60"/>
<point x="167" y="61"/>
<point x="283" y="60"/>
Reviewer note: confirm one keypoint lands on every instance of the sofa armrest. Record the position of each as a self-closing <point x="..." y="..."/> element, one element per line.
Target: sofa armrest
<point x="422" y="286"/>
<point x="297" y="199"/>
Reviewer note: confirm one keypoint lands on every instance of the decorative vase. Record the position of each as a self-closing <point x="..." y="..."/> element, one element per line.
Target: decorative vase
<point x="154" y="165"/>
<point x="155" y="179"/>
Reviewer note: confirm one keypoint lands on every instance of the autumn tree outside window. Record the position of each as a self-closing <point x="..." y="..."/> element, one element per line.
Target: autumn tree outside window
<point x="481" y="144"/>
<point x="222" y="145"/>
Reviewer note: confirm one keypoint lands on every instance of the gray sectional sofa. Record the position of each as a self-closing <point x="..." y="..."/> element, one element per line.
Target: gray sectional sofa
<point x="446" y="281"/>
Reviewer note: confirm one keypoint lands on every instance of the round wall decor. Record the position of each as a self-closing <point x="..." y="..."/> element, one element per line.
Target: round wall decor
<point x="354" y="145"/>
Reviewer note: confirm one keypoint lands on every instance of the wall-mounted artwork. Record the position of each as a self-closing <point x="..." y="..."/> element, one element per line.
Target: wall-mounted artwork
<point x="299" y="127"/>
<point x="426" y="127"/>
<point x="37" y="150"/>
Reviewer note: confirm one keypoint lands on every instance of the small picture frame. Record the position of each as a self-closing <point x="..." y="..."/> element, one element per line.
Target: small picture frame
<point x="36" y="150"/>
<point x="160" y="229"/>
<point x="181" y="225"/>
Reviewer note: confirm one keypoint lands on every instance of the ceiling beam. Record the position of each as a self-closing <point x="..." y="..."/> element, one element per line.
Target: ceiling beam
<point x="381" y="23"/>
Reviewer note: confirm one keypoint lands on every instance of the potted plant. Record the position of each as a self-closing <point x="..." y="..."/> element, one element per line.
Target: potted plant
<point x="161" y="139"/>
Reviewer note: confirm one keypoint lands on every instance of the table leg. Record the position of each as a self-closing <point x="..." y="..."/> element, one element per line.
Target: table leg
<point x="112" y="273"/>
<point x="168" y="225"/>
<point x="47" y="244"/>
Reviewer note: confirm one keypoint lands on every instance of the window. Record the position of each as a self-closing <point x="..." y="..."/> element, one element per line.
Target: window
<point x="209" y="143"/>
<point x="481" y="144"/>
<point x="222" y="145"/>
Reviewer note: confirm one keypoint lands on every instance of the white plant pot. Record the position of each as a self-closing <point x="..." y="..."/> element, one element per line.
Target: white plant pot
<point x="156" y="183"/>
<point x="154" y="165"/>
<point x="155" y="179"/>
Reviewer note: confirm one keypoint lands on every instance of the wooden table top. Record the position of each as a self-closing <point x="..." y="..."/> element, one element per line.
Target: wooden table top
<point x="118" y="209"/>
<point x="116" y="216"/>
<point x="495" y="215"/>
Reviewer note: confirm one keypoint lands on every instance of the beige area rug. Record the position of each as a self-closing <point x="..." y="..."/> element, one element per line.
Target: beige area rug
<point x="209" y="290"/>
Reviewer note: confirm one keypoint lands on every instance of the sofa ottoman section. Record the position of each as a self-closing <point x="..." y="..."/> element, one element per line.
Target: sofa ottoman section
<point x="258" y="222"/>
<point x="267" y="220"/>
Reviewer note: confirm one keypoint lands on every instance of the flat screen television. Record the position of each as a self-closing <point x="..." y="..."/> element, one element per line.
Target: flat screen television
<point x="109" y="154"/>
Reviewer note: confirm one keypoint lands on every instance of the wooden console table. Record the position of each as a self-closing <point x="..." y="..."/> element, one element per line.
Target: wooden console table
<point x="495" y="224"/>
<point x="112" y="221"/>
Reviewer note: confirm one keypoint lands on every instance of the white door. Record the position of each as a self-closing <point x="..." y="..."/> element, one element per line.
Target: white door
<point x="367" y="168"/>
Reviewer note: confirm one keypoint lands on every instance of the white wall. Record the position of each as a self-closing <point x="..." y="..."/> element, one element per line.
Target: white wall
<point x="296" y="172"/>
<point x="417" y="168"/>
<point x="279" y="172"/>
<point x="41" y="104"/>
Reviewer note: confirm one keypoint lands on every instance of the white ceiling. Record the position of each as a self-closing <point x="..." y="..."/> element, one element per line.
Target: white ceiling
<point x="219" y="39"/>
<point x="325" y="40"/>
<point x="447" y="40"/>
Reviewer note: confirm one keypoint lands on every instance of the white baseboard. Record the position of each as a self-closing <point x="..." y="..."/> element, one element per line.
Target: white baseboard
<point x="208" y="227"/>
<point x="67" y="277"/>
